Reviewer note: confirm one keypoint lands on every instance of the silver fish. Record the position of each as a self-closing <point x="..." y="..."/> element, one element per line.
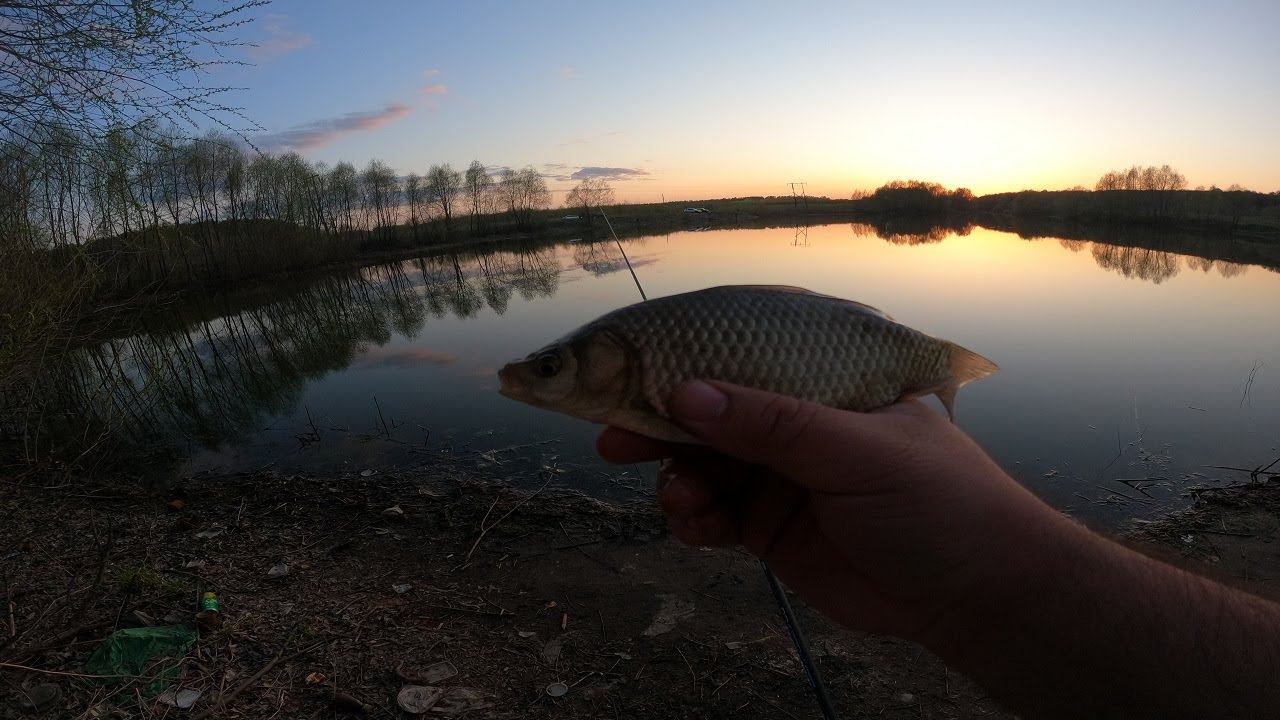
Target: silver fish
<point x="620" y="368"/>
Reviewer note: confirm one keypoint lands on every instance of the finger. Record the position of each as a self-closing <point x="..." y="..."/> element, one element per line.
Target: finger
<point x="693" y="484"/>
<point x="698" y="493"/>
<point x="716" y="527"/>
<point x="794" y="437"/>
<point x="682" y="493"/>
<point x="620" y="446"/>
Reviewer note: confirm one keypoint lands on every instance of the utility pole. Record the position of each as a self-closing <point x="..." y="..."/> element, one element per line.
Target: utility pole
<point x="802" y="197"/>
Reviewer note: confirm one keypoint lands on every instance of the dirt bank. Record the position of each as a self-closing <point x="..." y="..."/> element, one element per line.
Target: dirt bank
<point x="390" y="573"/>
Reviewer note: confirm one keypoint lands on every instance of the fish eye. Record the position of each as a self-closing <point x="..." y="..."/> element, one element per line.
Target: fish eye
<point x="547" y="364"/>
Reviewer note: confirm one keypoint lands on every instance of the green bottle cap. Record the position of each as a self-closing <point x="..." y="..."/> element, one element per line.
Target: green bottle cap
<point x="209" y="601"/>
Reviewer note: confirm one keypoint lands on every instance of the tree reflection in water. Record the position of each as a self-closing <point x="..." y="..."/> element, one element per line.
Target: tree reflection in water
<point x="211" y="373"/>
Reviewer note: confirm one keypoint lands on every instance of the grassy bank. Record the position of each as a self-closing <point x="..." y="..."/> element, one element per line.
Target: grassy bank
<point x="1237" y="212"/>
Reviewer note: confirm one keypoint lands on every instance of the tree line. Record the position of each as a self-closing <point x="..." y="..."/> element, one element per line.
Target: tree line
<point x="1148" y="195"/>
<point x="208" y="209"/>
<point x="915" y="197"/>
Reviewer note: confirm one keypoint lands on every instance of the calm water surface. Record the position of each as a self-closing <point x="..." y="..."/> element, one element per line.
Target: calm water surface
<point x="1123" y="370"/>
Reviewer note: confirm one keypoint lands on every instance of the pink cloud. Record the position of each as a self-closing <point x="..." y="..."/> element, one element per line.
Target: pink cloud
<point x="434" y="89"/>
<point x="315" y="134"/>
<point x="280" y="39"/>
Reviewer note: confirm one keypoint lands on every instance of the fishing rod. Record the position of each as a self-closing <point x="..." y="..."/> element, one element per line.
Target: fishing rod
<point x="779" y="593"/>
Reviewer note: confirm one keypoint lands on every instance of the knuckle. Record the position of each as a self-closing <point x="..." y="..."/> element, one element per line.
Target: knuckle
<point x="784" y="421"/>
<point x="904" y="442"/>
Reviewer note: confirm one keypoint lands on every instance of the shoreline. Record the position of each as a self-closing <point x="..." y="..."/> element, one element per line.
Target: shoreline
<point x="394" y="571"/>
<point x="1243" y="246"/>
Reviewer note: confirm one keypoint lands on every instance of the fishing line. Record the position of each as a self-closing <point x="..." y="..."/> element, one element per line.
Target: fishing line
<point x="624" y="256"/>
<point x="779" y="593"/>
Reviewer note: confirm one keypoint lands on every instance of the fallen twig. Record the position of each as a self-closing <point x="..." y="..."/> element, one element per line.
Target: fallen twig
<point x="25" y="668"/>
<point x="225" y="698"/>
<point x="485" y="530"/>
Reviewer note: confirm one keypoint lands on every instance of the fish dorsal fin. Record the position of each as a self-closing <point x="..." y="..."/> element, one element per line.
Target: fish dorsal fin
<point x="803" y="291"/>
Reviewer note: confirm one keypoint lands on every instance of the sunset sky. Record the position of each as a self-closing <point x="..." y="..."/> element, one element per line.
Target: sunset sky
<point x="698" y="100"/>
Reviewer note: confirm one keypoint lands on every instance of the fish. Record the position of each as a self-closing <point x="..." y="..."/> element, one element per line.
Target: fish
<point x="620" y="368"/>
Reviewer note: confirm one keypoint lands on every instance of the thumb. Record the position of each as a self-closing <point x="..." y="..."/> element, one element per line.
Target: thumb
<point x="793" y="437"/>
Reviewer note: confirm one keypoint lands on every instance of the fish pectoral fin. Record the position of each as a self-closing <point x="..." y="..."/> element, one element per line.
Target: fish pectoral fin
<point x="651" y="426"/>
<point x="964" y="367"/>
<point x="948" y="397"/>
<point x="945" y="393"/>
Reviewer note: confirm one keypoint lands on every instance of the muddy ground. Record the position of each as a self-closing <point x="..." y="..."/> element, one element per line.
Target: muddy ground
<point x="492" y="594"/>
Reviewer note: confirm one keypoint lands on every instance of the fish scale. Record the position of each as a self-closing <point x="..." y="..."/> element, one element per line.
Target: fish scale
<point x="621" y="367"/>
<point x="797" y="343"/>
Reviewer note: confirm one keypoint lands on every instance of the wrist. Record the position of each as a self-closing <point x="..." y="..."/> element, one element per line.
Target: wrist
<point x="1037" y="561"/>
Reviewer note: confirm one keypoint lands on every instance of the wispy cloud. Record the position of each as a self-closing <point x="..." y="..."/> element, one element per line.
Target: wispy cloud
<point x="568" y="72"/>
<point x="608" y="173"/>
<point x="433" y="89"/>
<point x="280" y="39"/>
<point x="309" y="136"/>
<point x="565" y="173"/>
<point x="588" y="139"/>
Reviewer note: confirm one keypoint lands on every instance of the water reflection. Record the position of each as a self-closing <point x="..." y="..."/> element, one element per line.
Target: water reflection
<point x="214" y="377"/>
<point x="211" y="375"/>
<point x="1225" y="269"/>
<point x="1153" y="256"/>
<point x="1151" y="265"/>
<point x="911" y="231"/>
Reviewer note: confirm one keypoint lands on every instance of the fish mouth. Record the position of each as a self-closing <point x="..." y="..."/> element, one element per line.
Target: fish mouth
<point x="508" y="384"/>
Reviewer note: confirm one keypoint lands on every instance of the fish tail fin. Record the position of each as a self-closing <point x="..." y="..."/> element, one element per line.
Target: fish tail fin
<point x="965" y="366"/>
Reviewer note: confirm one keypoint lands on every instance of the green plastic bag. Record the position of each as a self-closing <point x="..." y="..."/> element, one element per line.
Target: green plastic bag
<point x="151" y="651"/>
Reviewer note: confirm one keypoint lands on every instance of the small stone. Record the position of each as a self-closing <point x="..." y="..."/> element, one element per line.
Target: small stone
<point x="278" y="571"/>
<point x="557" y="689"/>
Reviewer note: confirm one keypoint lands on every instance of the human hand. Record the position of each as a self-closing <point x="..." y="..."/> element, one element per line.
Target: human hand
<point x="893" y="521"/>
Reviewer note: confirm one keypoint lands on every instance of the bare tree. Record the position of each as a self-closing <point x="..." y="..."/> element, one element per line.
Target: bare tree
<point x="93" y="65"/>
<point x="1143" y="178"/>
<point x="443" y="185"/>
<point x="589" y="195"/>
<point x="477" y="186"/>
<point x="378" y="186"/>
<point x="414" y="200"/>
<point x="344" y="194"/>
<point x="523" y="192"/>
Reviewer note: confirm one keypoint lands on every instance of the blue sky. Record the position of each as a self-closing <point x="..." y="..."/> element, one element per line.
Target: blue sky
<point x="714" y="99"/>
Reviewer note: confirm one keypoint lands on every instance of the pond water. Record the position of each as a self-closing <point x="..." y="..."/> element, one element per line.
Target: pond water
<point x="1125" y="371"/>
